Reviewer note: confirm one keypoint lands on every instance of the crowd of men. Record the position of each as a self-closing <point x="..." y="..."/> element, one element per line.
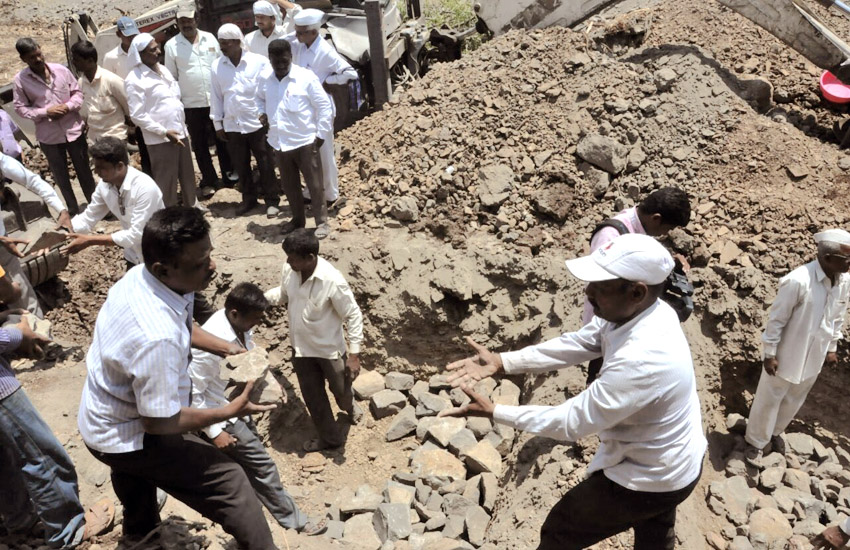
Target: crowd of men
<point x="155" y="408"/>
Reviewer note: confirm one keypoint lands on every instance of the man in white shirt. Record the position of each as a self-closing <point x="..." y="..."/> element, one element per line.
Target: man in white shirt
<point x="154" y="99"/>
<point x="135" y="414"/>
<point x="104" y="107"/>
<point x="117" y="61"/>
<point x="9" y="253"/>
<point x="244" y="307"/>
<point x="236" y="76"/>
<point x="802" y="332"/>
<point x="643" y="405"/>
<point x="311" y="51"/>
<point x="130" y="195"/>
<point x="320" y="302"/>
<point x="270" y="24"/>
<point x="297" y="111"/>
<point x="189" y="57"/>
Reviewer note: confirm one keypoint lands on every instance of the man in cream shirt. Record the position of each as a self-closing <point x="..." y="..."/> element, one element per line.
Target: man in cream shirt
<point x="643" y="405"/>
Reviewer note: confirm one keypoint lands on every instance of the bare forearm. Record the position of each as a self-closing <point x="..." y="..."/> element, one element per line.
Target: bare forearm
<point x="188" y="420"/>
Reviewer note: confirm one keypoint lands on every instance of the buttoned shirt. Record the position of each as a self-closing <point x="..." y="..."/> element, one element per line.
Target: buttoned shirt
<point x="137" y="364"/>
<point x="643" y="405"/>
<point x="208" y="388"/>
<point x="8" y="142"/>
<point x="630" y="219"/>
<point x="154" y="100"/>
<point x="318" y="307"/>
<point x="10" y="340"/>
<point x="321" y="58"/>
<point x="133" y="204"/>
<point x="233" y="104"/>
<point x="33" y="96"/>
<point x="191" y="64"/>
<point x="805" y="321"/>
<point x="259" y="44"/>
<point x="298" y="109"/>
<point x="17" y="172"/>
<point x="118" y="61"/>
<point x="105" y="106"/>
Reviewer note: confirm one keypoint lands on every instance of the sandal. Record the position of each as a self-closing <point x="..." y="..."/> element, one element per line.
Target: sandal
<point x="313" y="527"/>
<point x="323" y="231"/>
<point x="99" y="517"/>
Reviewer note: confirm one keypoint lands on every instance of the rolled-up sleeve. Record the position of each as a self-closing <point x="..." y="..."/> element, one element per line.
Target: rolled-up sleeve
<point x="16" y="172"/>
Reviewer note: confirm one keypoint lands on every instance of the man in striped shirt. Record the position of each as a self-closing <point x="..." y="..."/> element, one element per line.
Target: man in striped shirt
<point x="135" y="413"/>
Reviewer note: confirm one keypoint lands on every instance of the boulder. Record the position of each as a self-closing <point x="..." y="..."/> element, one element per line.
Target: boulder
<point x="603" y="152"/>
<point x="403" y="424"/>
<point x="431" y="405"/>
<point x="399" y="381"/>
<point x="360" y="532"/>
<point x="769" y="529"/>
<point x="367" y="384"/>
<point x="365" y="499"/>
<point x="391" y="521"/>
<point x="483" y="457"/>
<point x="438" y="463"/>
<point x="476" y="521"/>
<point x="445" y="428"/>
<point x="387" y="403"/>
<point x="404" y="209"/>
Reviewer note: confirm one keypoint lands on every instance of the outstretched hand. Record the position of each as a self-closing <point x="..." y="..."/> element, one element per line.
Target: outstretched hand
<point x="472" y="369"/>
<point x="244" y="404"/>
<point x="478" y="406"/>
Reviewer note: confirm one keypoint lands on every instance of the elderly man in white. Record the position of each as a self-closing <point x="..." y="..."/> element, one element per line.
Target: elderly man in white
<point x="802" y="333"/>
<point x="311" y="51"/>
<point x="271" y="24"/>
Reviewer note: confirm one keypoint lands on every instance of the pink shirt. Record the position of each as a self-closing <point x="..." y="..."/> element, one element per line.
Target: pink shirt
<point x="630" y="219"/>
<point x="32" y="97"/>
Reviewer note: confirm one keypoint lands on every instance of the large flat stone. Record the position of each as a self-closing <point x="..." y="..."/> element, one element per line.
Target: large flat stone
<point x="360" y="532"/>
<point x="403" y="424"/>
<point x="769" y="529"/>
<point x="444" y="429"/>
<point x="391" y="521"/>
<point x="483" y="457"/>
<point x="387" y="403"/>
<point x="245" y="367"/>
<point x="438" y="463"/>
<point x="365" y="499"/>
<point x="476" y="521"/>
<point x="399" y="381"/>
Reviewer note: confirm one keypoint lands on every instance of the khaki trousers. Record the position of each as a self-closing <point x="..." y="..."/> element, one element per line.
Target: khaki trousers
<point x="171" y="163"/>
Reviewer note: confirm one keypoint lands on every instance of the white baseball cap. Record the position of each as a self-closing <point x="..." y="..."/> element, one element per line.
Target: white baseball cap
<point x="633" y="257"/>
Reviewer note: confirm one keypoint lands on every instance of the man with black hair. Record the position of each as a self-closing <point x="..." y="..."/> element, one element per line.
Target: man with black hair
<point x="135" y="414"/>
<point x="48" y="94"/>
<point x="319" y="302"/>
<point x="130" y="195"/>
<point x="104" y="107"/>
<point x="243" y="309"/>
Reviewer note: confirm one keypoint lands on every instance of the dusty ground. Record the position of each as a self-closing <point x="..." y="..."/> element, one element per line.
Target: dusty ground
<point x="757" y="158"/>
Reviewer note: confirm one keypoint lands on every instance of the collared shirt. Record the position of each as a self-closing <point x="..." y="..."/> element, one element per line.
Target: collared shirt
<point x="643" y="405"/>
<point x="154" y="100"/>
<point x="318" y="307"/>
<point x="630" y="219"/>
<point x="298" y="109"/>
<point x="191" y="64"/>
<point x="233" y="105"/>
<point x="208" y="388"/>
<point x="105" y="106"/>
<point x="15" y="171"/>
<point x="118" y="61"/>
<point x="33" y="96"/>
<point x="323" y="60"/>
<point x="137" y="362"/>
<point x="259" y="44"/>
<point x="10" y="339"/>
<point x="8" y="142"/>
<point x="805" y="321"/>
<point x="133" y="204"/>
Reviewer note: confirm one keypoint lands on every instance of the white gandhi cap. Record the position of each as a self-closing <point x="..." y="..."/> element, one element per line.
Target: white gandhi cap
<point x="838" y="236"/>
<point x="633" y="257"/>
<point x="263" y="7"/>
<point x="308" y="17"/>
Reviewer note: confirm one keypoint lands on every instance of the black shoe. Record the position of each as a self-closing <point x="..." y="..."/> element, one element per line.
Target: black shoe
<point x="245" y="207"/>
<point x="289" y="227"/>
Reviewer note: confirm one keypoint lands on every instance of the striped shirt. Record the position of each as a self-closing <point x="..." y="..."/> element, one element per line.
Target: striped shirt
<point x="137" y="363"/>
<point x="10" y="339"/>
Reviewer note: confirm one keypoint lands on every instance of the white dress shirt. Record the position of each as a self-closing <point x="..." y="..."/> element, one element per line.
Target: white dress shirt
<point x="15" y="171"/>
<point x="117" y="61"/>
<point x="154" y="100"/>
<point x="805" y="321"/>
<point x="191" y="65"/>
<point x="133" y="204"/>
<point x="233" y="104"/>
<point x="317" y="310"/>
<point x="643" y="405"/>
<point x="208" y="388"/>
<point x="137" y="363"/>
<point x="105" y="106"/>
<point x="259" y="44"/>
<point x="298" y="109"/>
<point x="321" y="58"/>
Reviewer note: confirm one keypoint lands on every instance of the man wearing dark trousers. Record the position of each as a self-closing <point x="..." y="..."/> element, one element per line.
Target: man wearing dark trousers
<point x="135" y="413"/>
<point x="643" y="405"/>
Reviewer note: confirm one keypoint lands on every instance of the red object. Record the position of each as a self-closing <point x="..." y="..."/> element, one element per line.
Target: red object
<point x="833" y="89"/>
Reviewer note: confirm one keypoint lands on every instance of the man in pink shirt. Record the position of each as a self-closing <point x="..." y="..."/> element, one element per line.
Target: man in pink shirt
<point x="48" y="94"/>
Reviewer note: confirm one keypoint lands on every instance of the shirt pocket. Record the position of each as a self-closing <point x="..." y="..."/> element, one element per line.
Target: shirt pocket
<point x="105" y="105"/>
<point x="296" y="102"/>
<point x="313" y="309"/>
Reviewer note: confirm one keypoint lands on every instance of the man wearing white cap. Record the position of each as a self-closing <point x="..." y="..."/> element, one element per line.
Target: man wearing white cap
<point x="802" y="333"/>
<point x="643" y="405"/>
<point x="270" y="24"/>
<point x="154" y="99"/>
<point x="236" y="77"/>
<point x="311" y="51"/>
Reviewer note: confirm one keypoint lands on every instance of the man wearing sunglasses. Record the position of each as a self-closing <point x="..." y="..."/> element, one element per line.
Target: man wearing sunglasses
<point x="802" y="333"/>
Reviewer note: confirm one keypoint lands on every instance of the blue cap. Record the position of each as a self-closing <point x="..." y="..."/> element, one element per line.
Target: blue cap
<point x="127" y="26"/>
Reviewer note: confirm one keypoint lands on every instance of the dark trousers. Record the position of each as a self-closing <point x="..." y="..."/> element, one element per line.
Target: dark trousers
<point x="292" y="164"/>
<point x="195" y="473"/>
<point x="143" y="152"/>
<point x="312" y="374"/>
<point x="57" y="159"/>
<point x="200" y="131"/>
<point x="241" y="146"/>
<point x="598" y="508"/>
